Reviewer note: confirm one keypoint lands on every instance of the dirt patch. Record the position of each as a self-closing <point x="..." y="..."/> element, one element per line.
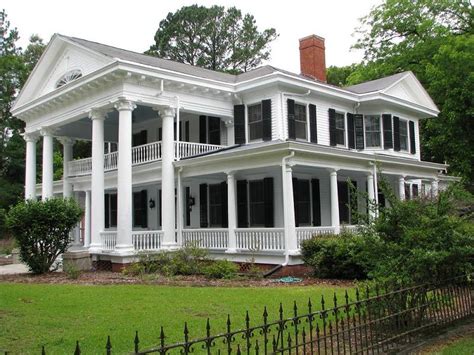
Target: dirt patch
<point x="113" y="278"/>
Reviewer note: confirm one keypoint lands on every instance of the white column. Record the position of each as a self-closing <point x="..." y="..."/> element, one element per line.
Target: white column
<point x="97" y="179"/>
<point x="67" y="157"/>
<point x="230" y="133"/>
<point x="401" y="188"/>
<point x="48" y="166"/>
<point x="334" y="201"/>
<point x="434" y="188"/>
<point x="371" y="195"/>
<point x="179" y="209"/>
<point x="231" y="213"/>
<point x="289" y="210"/>
<point x="87" y="220"/>
<point x="124" y="180"/>
<point x="167" y="178"/>
<point x="30" y="166"/>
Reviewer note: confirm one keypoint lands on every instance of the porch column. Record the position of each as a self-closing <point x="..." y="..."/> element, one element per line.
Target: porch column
<point x="97" y="179"/>
<point x="289" y="210"/>
<point x="434" y="188"/>
<point x="30" y="166"/>
<point x="87" y="220"/>
<point x="124" y="177"/>
<point x="371" y="195"/>
<point x="231" y="213"/>
<point x="67" y="157"/>
<point x="179" y="209"/>
<point x="167" y="178"/>
<point x="48" y="167"/>
<point x="401" y="188"/>
<point x="335" y="222"/>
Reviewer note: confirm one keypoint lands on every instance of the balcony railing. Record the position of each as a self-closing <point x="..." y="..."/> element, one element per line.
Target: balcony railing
<point x="260" y="239"/>
<point x="142" y="154"/>
<point x="212" y="238"/>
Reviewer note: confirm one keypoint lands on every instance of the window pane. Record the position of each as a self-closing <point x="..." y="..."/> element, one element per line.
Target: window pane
<point x="340" y="122"/>
<point x="215" y="205"/>
<point x="256" y="202"/>
<point x="255" y="122"/>
<point x="255" y="113"/>
<point x="300" y="130"/>
<point x="403" y="135"/>
<point x="340" y="128"/>
<point x="303" y="203"/>
<point x="300" y="113"/>
<point x="255" y="130"/>
<point x="372" y="131"/>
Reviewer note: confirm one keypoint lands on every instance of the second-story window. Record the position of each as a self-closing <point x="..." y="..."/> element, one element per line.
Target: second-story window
<point x="300" y="121"/>
<point x="403" y="135"/>
<point x="340" y="128"/>
<point x="255" y="122"/>
<point x="372" y="131"/>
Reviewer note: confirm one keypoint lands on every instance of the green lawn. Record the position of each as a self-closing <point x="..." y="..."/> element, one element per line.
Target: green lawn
<point x="463" y="346"/>
<point x="58" y="315"/>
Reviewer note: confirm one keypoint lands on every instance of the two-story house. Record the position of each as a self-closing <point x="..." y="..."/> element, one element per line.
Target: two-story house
<point x="243" y="165"/>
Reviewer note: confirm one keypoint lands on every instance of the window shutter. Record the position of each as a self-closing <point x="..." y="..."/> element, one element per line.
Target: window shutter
<point x="313" y="124"/>
<point x="351" y="130"/>
<point x="354" y="203"/>
<point x="242" y="204"/>
<point x="160" y="208"/>
<point x="267" y="120"/>
<point x="359" y="131"/>
<point x="188" y="208"/>
<point x="291" y="118"/>
<point x="225" y="218"/>
<point x="387" y="131"/>
<point x="268" y="198"/>
<point x="160" y="133"/>
<point x="396" y="133"/>
<point x="316" y="197"/>
<point x="332" y="127"/>
<point x="144" y="208"/>
<point x="202" y="129"/>
<point x="203" y="205"/>
<point x="412" y="137"/>
<point x="113" y="210"/>
<point x="186" y="135"/>
<point x="107" y="211"/>
<point x="295" y="201"/>
<point x="239" y="124"/>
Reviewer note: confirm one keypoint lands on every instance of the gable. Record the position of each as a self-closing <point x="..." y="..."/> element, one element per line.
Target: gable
<point x="60" y="57"/>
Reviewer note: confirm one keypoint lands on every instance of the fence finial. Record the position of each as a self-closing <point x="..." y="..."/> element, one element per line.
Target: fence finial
<point x="108" y="346"/>
<point x="136" y="341"/>
<point x="77" y="351"/>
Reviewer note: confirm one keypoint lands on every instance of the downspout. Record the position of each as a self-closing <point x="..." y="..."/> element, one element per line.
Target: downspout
<point x="283" y="175"/>
<point x="282" y="98"/>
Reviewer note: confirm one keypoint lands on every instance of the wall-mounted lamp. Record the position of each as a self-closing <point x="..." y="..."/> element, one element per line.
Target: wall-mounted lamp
<point x="191" y="201"/>
<point x="151" y="203"/>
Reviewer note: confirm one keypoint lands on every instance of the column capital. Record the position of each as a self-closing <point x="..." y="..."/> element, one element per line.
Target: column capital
<point x="97" y="114"/>
<point x="230" y="174"/>
<point x="47" y="131"/>
<point x="229" y="123"/>
<point x="124" y="105"/>
<point x="333" y="171"/>
<point x="66" y="140"/>
<point x="31" y="137"/>
<point x="165" y="111"/>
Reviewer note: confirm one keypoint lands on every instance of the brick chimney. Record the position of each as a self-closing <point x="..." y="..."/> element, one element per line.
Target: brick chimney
<point x="313" y="58"/>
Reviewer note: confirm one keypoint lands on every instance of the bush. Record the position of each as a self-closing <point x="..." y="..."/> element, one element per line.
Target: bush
<point x="221" y="269"/>
<point x="71" y="270"/>
<point x="42" y="229"/>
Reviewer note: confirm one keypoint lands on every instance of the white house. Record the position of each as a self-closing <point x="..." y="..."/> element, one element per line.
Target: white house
<point x="244" y="165"/>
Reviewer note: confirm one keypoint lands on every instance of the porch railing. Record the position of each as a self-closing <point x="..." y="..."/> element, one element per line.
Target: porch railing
<point x="189" y="149"/>
<point x="260" y="239"/>
<point x="108" y="240"/>
<point x="212" y="238"/>
<point x="305" y="233"/>
<point x="147" y="240"/>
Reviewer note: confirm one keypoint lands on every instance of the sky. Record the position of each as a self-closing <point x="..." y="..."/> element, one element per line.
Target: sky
<point x="131" y="24"/>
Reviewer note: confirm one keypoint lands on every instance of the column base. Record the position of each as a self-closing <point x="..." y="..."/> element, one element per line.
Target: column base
<point x="124" y="249"/>
<point x="294" y="252"/>
<point x="231" y="251"/>
<point x="95" y="248"/>
<point x="170" y="246"/>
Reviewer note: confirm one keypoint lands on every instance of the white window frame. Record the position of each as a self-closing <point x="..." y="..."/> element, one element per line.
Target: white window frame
<point x="247" y="128"/>
<point x="380" y="132"/>
<point x="408" y="135"/>
<point x="306" y="122"/>
<point x="344" y="114"/>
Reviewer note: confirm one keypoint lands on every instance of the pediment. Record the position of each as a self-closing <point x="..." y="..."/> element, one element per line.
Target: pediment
<point x="61" y="57"/>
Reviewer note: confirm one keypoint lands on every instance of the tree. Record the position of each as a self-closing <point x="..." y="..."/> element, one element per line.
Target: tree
<point x="214" y="38"/>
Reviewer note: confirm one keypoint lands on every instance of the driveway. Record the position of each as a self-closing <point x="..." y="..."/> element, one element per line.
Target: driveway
<point x="13" y="269"/>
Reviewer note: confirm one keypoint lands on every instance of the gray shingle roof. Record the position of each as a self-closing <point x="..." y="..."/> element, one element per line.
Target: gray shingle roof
<point x="375" y="85"/>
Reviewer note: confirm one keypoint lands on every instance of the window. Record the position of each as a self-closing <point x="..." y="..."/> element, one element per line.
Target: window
<point x="372" y="131"/>
<point x="110" y="210"/>
<point x="255" y="122"/>
<point x="403" y="135"/>
<point x="257" y="203"/>
<point x="140" y="210"/>
<point x="303" y="203"/>
<point x="340" y="129"/>
<point x="68" y="77"/>
<point x="300" y="121"/>
<point x="215" y="205"/>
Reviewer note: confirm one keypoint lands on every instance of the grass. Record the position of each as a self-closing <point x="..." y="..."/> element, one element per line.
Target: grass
<point x="32" y="315"/>
<point x="460" y="347"/>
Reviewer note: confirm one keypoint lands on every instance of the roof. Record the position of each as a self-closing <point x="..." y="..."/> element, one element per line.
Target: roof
<point x="376" y="85"/>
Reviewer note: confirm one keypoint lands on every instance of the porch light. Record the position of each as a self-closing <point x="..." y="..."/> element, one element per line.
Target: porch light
<point x="191" y="201"/>
<point x="151" y="203"/>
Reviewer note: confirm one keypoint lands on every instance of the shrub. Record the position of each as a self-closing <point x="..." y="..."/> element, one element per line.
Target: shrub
<point x="221" y="269"/>
<point x="71" y="270"/>
<point x="42" y="229"/>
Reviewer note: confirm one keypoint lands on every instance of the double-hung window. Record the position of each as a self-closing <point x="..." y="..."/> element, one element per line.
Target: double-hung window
<point x="340" y="128"/>
<point x="257" y="203"/>
<point x="300" y="121"/>
<point x="372" y="131"/>
<point x="403" y="135"/>
<point x="215" y="205"/>
<point x="255" y="122"/>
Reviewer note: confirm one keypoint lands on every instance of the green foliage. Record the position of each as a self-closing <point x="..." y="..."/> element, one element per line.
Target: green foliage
<point x="71" y="270"/>
<point x="221" y="269"/>
<point x="42" y="229"/>
<point x="212" y="37"/>
<point x="339" y="75"/>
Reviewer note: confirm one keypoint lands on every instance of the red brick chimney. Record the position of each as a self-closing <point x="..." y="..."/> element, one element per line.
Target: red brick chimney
<point x="313" y="58"/>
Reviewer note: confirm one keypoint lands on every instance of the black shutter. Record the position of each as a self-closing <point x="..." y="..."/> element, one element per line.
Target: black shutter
<point x="396" y="133"/>
<point x="354" y="203"/>
<point x="268" y="198"/>
<point x="107" y="211"/>
<point x="242" y="204"/>
<point x="332" y="127"/>
<point x="186" y="135"/>
<point x="313" y="124"/>
<point x="343" y="197"/>
<point x="291" y="118"/>
<point x="412" y="137"/>
<point x="387" y="131"/>
<point x="295" y="201"/>
<point x="160" y="133"/>
<point x="316" y="197"/>
<point x="113" y="210"/>
<point x="202" y="129"/>
<point x="160" y="215"/>
<point x="203" y="205"/>
<point x="225" y="216"/>
<point x="239" y="124"/>
<point x="144" y="208"/>
<point x="359" y="131"/>
<point x="267" y="120"/>
<point x="350" y="131"/>
<point x="188" y="208"/>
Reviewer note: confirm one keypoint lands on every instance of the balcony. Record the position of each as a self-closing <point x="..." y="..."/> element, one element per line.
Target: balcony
<point x="142" y="154"/>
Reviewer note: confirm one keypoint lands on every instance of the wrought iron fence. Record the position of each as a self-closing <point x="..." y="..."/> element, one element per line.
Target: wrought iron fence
<point x="384" y="319"/>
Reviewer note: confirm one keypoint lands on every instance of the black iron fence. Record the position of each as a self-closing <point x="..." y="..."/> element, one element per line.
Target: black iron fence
<point x="380" y="320"/>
